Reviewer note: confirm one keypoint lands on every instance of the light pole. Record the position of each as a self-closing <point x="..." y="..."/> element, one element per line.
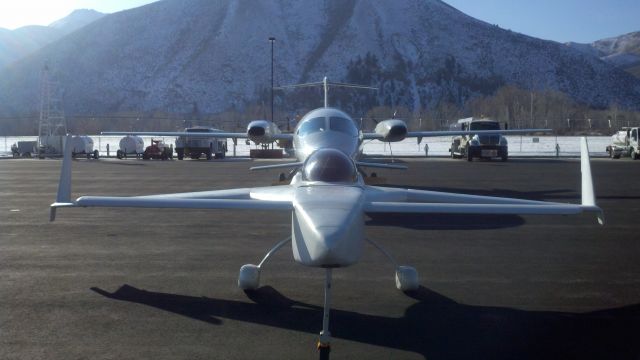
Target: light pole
<point x="272" y="40"/>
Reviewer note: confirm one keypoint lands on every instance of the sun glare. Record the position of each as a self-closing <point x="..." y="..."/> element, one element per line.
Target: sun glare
<point x="15" y="14"/>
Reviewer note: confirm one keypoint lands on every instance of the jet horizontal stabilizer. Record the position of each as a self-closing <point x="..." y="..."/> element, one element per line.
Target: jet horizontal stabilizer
<point x="277" y="166"/>
<point x="381" y="165"/>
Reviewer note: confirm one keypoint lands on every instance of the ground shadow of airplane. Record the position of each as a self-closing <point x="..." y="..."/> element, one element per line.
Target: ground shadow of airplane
<point x="445" y="221"/>
<point x="539" y="195"/>
<point x="435" y="326"/>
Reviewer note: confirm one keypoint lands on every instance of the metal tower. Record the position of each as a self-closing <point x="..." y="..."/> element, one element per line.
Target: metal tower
<point x="53" y="125"/>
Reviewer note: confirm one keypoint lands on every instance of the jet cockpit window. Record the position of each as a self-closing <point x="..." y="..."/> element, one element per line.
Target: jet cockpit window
<point x="312" y="126"/>
<point x="329" y="165"/>
<point x="343" y="125"/>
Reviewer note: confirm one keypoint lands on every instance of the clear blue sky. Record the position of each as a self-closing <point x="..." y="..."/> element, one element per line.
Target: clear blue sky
<point x="560" y="20"/>
<point x="17" y="13"/>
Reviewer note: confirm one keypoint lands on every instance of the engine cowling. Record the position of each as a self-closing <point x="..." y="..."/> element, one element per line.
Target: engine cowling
<point x="391" y="130"/>
<point x="262" y="131"/>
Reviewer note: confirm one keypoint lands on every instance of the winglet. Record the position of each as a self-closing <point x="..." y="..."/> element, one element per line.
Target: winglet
<point x="64" y="187"/>
<point x="588" y="195"/>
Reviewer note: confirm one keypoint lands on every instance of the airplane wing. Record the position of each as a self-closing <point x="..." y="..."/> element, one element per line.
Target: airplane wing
<point x="393" y="200"/>
<point x="475" y="132"/>
<point x="421" y="134"/>
<point x="177" y="203"/>
<point x="220" y="134"/>
<point x="259" y="198"/>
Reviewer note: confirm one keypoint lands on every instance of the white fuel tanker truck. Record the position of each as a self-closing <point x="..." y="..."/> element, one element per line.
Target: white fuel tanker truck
<point x="625" y="143"/>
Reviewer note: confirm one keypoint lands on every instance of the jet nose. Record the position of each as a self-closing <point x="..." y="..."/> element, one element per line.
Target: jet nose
<point x="328" y="226"/>
<point x="329" y="238"/>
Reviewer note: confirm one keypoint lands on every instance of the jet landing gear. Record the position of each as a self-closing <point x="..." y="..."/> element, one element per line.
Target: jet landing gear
<point x="406" y="276"/>
<point x="249" y="278"/>
<point x="324" y="342"/>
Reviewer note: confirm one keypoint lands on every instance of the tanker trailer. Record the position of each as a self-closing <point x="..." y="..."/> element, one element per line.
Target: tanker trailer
<point x="83" y="145"/>
<point x="130" y="145"/>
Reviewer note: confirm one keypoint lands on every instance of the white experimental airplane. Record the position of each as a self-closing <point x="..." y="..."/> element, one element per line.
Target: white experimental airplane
<point x="328" y="198"/>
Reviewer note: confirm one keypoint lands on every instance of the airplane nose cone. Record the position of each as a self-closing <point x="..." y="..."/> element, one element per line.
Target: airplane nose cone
<point x="328" y="226"/>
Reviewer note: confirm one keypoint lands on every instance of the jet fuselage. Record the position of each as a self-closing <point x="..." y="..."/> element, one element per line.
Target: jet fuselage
<point x="327" y="221"/>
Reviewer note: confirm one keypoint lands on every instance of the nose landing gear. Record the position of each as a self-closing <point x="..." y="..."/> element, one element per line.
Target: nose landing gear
<point x="406" y="279"/>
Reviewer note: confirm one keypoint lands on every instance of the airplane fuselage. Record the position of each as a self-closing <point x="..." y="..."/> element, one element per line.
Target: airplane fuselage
<point x="327" y="128"/>
<point x="327" y="220"/>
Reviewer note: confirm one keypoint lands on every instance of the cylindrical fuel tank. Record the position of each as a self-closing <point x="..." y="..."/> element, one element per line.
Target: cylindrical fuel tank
<point x="131" y="144"/>
<point x="81" y="144"/>
<point x="619" y="138"/>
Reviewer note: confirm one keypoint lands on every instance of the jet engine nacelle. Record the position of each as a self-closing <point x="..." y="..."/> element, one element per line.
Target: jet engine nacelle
<point x="262" y="131"/>
<point x="391" y="130"/>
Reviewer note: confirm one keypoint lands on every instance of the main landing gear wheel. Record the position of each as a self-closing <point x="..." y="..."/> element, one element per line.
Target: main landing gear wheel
<point x="249" y="278"/>
<point x="407" y="278"/>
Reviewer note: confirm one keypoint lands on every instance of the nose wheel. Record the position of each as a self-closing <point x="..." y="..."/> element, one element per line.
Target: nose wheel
<point x="249" y="277"/>
<point x="324" y="342"/>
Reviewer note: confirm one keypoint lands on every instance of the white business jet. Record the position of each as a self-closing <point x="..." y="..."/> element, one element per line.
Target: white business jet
<point x="328" y="198"/>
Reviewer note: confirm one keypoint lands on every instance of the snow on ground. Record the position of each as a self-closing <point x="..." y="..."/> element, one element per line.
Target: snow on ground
<point x="438" y="146"/>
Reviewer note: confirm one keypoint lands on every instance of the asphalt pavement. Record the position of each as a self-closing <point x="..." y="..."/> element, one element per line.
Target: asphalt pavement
<point x="161" y="284"/>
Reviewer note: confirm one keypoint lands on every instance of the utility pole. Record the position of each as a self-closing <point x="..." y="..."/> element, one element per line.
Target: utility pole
<point x="531" y="110"/>
<point x="272" y="40"/>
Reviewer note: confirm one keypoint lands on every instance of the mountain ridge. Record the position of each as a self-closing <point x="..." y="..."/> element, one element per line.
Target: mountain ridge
<point x="15" y="44"/>
<point x="172" y="54"/>
<point x="622" y="51"/>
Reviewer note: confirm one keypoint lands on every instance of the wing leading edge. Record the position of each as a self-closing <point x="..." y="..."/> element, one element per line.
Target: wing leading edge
<point x="390" y="200"/>
<point x="260" y="198"/>
<point x="378" y="200"/>
<point x="422" y="134"/>
<point x="218" y="134"/>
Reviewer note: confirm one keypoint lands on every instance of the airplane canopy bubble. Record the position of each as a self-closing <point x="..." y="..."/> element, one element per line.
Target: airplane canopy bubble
<point x="329" y="165"/>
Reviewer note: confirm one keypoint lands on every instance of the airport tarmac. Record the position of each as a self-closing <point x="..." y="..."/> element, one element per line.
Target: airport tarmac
<point x="161" y="284"/>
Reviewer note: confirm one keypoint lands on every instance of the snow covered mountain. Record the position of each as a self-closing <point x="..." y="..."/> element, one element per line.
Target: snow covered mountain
<point x="171" y="54"/>
<point x="76" y="20"/>
<point x="622" y="51"/>
<point x="15" y="44"/>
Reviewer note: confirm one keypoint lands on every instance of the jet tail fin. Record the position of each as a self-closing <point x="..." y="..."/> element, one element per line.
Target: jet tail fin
<point x="63" y="198"/>
<point x="588" y="195"/>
